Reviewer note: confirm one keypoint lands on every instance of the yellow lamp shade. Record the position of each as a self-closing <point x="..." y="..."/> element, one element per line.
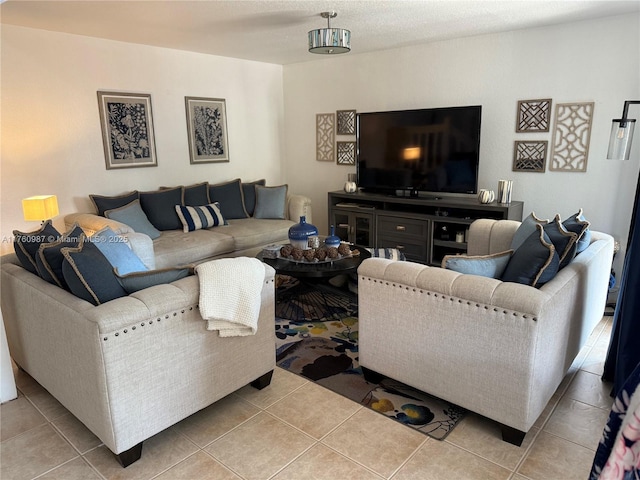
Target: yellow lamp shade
<point x="40" y="207"/>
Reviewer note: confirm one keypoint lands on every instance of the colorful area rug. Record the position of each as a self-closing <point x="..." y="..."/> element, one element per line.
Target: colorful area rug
<point x="317" y="338"/>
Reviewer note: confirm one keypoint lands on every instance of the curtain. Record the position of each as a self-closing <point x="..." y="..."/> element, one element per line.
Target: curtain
<point x="624" y="349"/>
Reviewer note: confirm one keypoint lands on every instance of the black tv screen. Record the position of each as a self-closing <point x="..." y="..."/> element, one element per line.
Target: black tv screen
<point x="428" y="150"/>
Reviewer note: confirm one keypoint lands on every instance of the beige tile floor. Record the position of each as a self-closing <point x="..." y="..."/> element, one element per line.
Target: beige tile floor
<point x="296" y="430"/>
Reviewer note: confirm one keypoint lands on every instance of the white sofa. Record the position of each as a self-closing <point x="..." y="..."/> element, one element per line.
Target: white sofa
<point x="497" y="348"/>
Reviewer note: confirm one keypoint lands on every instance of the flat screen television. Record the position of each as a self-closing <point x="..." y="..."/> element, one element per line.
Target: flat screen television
<point x="411" y="152"/>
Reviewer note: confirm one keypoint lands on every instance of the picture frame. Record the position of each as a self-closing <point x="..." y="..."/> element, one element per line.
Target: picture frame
<point x="533" y="115"/>
<point x="128" y="137"/>
<point x="346" y="153"/>
<point x="345" y="122"/>
<point x="207" y="130"/>
<point x="530" y="155"/>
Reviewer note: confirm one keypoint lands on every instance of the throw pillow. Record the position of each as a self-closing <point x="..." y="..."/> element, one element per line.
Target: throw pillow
<point x="535" y="262"/>
<point x="132" y="215"/>
<point x="229" y="196"/>
<point x="26" y="245"/>
<point x="49" y="258"/>
<point x="491" y="266"/>
<point x="194" y="195"/>
<point x="159" y="206"/>
<point x="577" y="224"/>
<point x="89" y="274"/>
<point x="135" y="281"/>
<point x="388" y="253"/>
<point x="249" y="195"/>
<point x="204" y="216"/>
<point x="117" y="252"/>
<point x="562" y="240"/>
<point x="526" y="228"/>
<point x="271" y="202"/>
<point x="103" y="203"/>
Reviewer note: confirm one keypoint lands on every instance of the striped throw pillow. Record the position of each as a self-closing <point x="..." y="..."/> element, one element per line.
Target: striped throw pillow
<point x="204" y="216"/>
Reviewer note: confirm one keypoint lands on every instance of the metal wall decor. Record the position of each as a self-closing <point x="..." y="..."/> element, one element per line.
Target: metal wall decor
<point x="571" y="135"/>
<point x="325" y="136"/>
<point x="346" y="122"/>
<point x="127" y="130"/>
<point x="207" y="129"/>
<point x="533" y="115"/>
<point x="529" y="156"/>
<point x="346" y="153"/>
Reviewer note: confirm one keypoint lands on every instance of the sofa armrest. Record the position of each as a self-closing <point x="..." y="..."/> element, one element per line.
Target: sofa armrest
<point x="92" y="223"/>
<point x="298" y="206"/>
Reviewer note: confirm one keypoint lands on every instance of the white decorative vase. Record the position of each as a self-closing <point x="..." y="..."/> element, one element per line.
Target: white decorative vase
<point x="486" y="196"/>
<point x="350" y="185"/>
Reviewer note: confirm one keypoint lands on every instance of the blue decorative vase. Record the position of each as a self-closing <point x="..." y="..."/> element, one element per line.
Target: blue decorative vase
<point x="300" y="232"/>
<point x="332" y="240"/>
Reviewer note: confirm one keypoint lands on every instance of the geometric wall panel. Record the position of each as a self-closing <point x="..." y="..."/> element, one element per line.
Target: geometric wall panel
<point x="346" y="154"/>
<point x="529" y="156"/>
<point x="346" y="122"/>
<point x="533" y="115"/>
<point x="571" y="136"/>
<point x="325" y="136"/>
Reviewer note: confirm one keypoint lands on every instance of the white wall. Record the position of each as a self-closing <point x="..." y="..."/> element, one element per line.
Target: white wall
<point x="596" y="61"/>
<point x="50" y="131"/>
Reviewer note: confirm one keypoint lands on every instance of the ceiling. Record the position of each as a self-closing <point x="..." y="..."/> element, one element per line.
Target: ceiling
<point x="275" y="31"/>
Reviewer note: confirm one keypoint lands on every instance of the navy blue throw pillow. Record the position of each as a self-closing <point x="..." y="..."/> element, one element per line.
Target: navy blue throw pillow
<point x="577" y="224"/>
<point x="26" y="245"/>
<point x="249" y="195"/>
<point x="103" y="203"/>
<point x="535" y="262"/>
<point x="229" y="196"/>
<point x="49" y="259"/>
<point x="563" y="240"/>
<point x="89" y="274"/>
<point x="160" y="208"/>
<point x="196" y="195"/>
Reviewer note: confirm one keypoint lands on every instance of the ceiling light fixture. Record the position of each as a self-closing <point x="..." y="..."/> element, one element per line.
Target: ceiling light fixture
<point x="329" y="40"/>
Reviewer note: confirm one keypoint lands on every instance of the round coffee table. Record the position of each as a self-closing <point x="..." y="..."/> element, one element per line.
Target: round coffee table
<point x="310" y="271"/>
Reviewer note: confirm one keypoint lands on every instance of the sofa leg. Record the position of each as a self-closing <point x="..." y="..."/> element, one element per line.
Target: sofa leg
<point x="512" y="436"/>
<point x="127" y="457"/>
<point x="371" y="376"/>
<point x="263" y="381"/>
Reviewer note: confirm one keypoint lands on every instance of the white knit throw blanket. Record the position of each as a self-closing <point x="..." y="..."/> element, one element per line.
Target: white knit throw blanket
<point x="230" y="291"/>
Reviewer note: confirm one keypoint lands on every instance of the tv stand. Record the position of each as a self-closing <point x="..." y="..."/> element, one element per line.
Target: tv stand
<point x="425" y="228"/>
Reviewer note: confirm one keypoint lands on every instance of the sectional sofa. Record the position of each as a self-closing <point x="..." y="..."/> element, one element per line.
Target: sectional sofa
<point x="133" y="366"/>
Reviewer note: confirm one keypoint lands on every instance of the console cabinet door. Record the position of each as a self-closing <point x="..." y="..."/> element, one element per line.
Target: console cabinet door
<point x="354" y="227"/>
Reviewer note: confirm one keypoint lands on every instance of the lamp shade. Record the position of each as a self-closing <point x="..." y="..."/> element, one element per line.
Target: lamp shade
<point x="620" y="139"/>
<point x="329" y="40"/>
<point x="40" y="208"/>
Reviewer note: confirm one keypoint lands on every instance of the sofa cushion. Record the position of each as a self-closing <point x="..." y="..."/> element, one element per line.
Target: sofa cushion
<point x="117" y="252"/>
<point x="492" y="266"/>
<point x="255" y="232"/>
<point x="159" y="206"/>
<point x="174" y="247"/>
<point x="197" y="217"/>
<point x="49" y="258"/>
<point x="229" y="196"/>
<point x="26" y="245"/>
<point x="249" y="195"/>
<point x="104" y="203"/>
<point x="577" y="224"/>
<point x="535" y="262"/>
<point x="563" y="240"/>
<point x="526" y="228"/>
<point x="197" y="194"/>
<point x="132" y="215"/>
<point x="132" y="282"/>
<point x="89" y="274"/>
<point x="271" y="202"/>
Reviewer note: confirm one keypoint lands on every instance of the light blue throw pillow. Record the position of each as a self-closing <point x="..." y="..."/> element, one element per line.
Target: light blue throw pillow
<point x="133" y="215"/>
<point x="491" y="266"/>
<point x="117" y="252"/>
<point x="271" y="202"/>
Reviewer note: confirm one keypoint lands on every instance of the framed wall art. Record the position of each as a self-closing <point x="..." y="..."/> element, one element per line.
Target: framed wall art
<point x="346" y="122"/>
<point x="325" y="136"/>
<point x="207" y="129"/>
<point x="529" y="156"/>
<point x="571" y="137"/>
<point x="346" y="153"/>
<point x="533" y="115"/>
<point x="127" y="130"/>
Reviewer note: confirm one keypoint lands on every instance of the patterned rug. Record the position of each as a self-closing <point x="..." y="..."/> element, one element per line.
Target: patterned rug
<point x="317" y="338"/>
